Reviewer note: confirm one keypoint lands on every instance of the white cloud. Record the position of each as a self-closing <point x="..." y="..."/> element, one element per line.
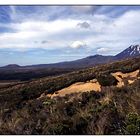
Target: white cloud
<point x="102" y="50"/>
<point x="104" y="33"/>
<point x="53" y="26"/>
<point x="78" y="44"/>
<point x="31" y="31"/>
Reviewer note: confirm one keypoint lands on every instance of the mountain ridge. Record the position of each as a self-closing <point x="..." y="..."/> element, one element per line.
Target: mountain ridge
<point x="132" y="51"/>
<point x="89" y="61"/>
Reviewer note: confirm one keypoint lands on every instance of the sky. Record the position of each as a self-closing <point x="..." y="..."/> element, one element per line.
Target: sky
<point x="49" y="34"/>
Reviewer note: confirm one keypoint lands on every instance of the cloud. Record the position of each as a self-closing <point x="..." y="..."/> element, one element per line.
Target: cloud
<point x="44" y="41"/>
<point x="77" y="44"/>
<point x="103" y="50"/>
<point x="58" y="25"/>
<point x="31" y="31"/>
<point x="84" y="25"/>
<point x="62" y="32"/>
<point x="49" y="13"/>
<point x="48" y="26"/>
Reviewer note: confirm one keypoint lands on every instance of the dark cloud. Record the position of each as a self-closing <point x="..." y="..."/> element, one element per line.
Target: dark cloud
<point x="84" y="25"/>
<point x="44" y="42"/>
<point x="41" y="42"/>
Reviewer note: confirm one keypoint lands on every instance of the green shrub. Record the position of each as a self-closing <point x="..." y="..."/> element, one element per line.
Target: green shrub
<point x="132" y="118"/>
<point x="107" y="80"/>
<point x="132" y="124"/>
<point x="47" y="102"/>
<point x="131" y="129"/>
<point x="138" y="122"/>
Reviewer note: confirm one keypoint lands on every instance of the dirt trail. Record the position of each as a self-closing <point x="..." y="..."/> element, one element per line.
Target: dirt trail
<point x="126" y="77"/>
<point x="92" y="85"/>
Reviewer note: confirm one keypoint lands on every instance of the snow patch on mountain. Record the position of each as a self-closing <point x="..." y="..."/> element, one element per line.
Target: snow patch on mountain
<point x="132" y="51"/>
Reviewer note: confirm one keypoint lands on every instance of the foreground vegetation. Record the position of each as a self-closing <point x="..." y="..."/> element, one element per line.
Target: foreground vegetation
<point x="111" y="111"/>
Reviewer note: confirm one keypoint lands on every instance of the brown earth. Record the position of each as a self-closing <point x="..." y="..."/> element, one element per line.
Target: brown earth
<point x="92" y="85"/>
<point x="128" y="78"/>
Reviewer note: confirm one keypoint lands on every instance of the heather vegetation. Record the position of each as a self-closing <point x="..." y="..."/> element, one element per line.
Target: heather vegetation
<point x="113" y="110"/>
<point x="24" y="74"/>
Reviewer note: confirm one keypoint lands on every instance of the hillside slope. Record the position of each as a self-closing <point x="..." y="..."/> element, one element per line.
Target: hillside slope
<point x="26" y="107"/>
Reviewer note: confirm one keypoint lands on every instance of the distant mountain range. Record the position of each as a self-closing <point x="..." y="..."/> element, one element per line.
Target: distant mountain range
<point x="132" y="51"/>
